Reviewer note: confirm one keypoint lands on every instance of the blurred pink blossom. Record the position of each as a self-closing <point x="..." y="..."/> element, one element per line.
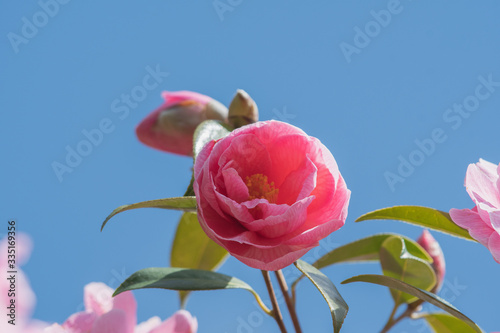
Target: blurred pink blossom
<point x="22" y="296"/>
<point x="107" y="314"/>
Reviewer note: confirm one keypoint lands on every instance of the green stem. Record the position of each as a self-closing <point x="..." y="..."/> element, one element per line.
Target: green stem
<point x="391" y="322"/>
<point x="289" y="303"/>
<point x="276" y="310"/>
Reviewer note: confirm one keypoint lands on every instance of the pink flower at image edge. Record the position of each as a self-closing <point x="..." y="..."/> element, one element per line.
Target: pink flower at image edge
<point x="105" y="313"/>
<point x="268" y="193"/>
<point x="483" y="221"/>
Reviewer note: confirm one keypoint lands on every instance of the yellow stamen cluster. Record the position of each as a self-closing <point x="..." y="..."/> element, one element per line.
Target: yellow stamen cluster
<point x="260" y="188"/>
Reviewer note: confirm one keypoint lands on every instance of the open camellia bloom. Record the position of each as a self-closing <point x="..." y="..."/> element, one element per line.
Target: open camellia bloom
<point x="107" y="314"/>
<point x="171" y="127"/>
<point x="483" y="221"/>
<point x="268" y="193"/>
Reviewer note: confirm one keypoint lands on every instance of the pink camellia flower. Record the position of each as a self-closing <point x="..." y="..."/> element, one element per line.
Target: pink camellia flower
<point x="171" y="127"/>
<point x="432" y="247"/>
<point x="107" y="314"/>
<point x="483" y="221"/>
<point x="268" y="193"/>
<point x="20" y="299"/>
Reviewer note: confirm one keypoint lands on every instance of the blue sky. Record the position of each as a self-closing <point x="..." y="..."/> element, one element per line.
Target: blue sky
<point x="369" y="96"/>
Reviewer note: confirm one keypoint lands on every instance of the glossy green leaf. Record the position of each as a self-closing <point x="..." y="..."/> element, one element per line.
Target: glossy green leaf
<point x="422" y="294"/>
<point x="205" y="132"/>
<point x="364" y="250"/>
<point x="444" y="323"/>
<point x="193" y="249"/>
<point x="421" y="216"/>
<point x="178" y="203"/>
<point x="367" y="249"/>
<point x="338" y="307"/>
<point x="174" y="278"/>
<point x="398" y="263"/>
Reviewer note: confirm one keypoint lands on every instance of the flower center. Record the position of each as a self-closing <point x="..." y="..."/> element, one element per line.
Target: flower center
<point x="260" y="188"/>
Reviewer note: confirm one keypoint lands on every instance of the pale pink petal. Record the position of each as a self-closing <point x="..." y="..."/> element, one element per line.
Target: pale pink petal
<point x="180" y="322"/>
<point x="495" y="220"/>
<point x="80" y="322"/>
<point x="113" y="321"/>
<point x="126" y="302"/>
<point x="471" y="221"/>
<point x="55" y="328"/>
<point x="480" y="186"/>
<point x="148" y="326"/>
<point x="98" y="298"/>
<point x="494" y="246"/>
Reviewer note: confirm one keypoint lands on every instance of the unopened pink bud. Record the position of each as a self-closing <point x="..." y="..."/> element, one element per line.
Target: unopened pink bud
<point x="432" y="247"/>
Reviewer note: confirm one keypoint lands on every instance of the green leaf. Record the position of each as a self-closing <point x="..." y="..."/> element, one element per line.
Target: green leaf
<point x="421" y="216"/>
<point x="190" y="190"/>
<point x="338" y="307"/>
<point x="193" y="249"/>
<point x="422" y="294"/>
<point x="398" y="263"/>
<point x="444" y="323"/>
<point x="178" y="203"/>
<point x="174" y="278"/>
<point x="367" y="249"/>
<point x="364" y="250"/>
<point x="205" y="132"/>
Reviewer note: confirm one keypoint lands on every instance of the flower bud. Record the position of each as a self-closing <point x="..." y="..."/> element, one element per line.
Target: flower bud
<point x="242" y="110"/>
<point x="432" y="247"/>
<point x="171" y="127"/>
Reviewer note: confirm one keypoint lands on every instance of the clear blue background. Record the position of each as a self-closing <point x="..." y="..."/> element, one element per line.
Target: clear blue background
<point x="287" y="55"/>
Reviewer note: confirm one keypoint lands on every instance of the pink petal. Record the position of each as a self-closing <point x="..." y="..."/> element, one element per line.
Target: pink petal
<point x="148" y="326"/>
<point x="180" y="322"/>
<point x="247" y="155"/>
<point x="235" y="187"/>
<point x="175" y="97"/>
<point x="126" y="302"/>
<point x="494" y="246"/>
<point x="271" y="259"/>
<point x="471" y="221"/>
<point x="112" y="322"/>
<point x="281" y="224"/>
<point x="80" y="322"/>
<point x="299" y="183"/>
<point x="495" y="220"/>
<point x="98" y="298"/>
<point x="55" y="328"/>
<point x="480" y="185"/>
